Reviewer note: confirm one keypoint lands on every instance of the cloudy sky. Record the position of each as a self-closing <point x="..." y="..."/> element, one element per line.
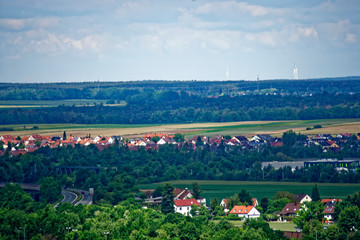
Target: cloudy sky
<point x="108" y="40"/>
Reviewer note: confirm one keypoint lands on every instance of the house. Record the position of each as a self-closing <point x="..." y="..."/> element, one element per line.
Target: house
<point x="183" y="206"/>
<point x="329" y="207"/>
<point x="330" y="202"/>
<point x="302" y="197"/>
<point x="254" y="202"/>
<point x="290" y="210"/>
<point x="224" y="204"/>
<point x="247" y="211"/>
<point x="182" y="193"/>
<point x="329" y="212"/>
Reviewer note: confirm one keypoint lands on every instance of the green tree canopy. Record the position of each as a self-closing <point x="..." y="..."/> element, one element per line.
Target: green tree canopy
<point x="167" y="203"/>
<point x="196" y="190"/>
<point x="50" y="190"/>
<point x="315" y="194"/>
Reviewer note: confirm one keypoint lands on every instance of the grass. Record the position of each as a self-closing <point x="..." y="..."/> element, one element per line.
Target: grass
<point x="283" y="226"/>
<point x="275" y="128"/>
<point x="225" y="189"/>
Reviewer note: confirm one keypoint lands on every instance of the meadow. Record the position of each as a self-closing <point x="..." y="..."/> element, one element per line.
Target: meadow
<point x="225" y="189"/>
<point x="247" y="128"/>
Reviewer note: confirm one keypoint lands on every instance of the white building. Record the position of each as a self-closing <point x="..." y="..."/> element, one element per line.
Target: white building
<point x="245" y="211"/>
<point x="183" y="206"/>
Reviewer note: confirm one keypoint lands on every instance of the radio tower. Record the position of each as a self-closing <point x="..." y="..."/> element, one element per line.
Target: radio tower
<point x="227" y="74"/>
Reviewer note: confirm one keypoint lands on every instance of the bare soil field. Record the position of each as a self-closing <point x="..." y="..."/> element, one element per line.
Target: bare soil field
<point x="248" y="128"/>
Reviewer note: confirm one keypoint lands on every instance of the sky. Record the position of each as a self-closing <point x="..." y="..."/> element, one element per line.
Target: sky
<point x="108" y="40"/>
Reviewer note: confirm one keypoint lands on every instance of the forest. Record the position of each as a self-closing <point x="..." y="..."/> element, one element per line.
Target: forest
<point x="127" y="168"/>
<point x="185" y="102"/>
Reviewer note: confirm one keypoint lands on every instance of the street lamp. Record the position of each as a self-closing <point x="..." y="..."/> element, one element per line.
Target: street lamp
<point x="106" y="233"/>
<point x="68" y="228"/>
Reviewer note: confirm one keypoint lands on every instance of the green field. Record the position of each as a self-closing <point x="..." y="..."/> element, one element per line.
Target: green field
<point x="54" y="103"/>
<point x="224" y="189"/>
<point x="282" y="226"/>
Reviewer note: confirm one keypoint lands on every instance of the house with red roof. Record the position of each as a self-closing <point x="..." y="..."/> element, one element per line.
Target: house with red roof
<point x="183" y="206"/>
<point x="245" y="211"/>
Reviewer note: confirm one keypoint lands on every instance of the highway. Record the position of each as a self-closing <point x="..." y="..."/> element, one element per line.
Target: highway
<point x="86" y="200"/>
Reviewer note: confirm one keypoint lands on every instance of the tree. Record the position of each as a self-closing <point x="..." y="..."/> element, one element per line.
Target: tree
<point x="289" y="138"/>
<point x="155" y="139"/>
<point x="179" y="137"/>
<point x="315" y="195"/>
<point x="214" y="204"/>
<point x="158" y="191"/>
<point x="64" y="135"/>
<point x="50" y="190"/>
<point x="312" y="211"/>
<point x="196" y="190"/>
<point x="349" y="219"/>
<point x="264" y="203"/>
<point x="245" y="197"/>
<point x="167" y="203"/>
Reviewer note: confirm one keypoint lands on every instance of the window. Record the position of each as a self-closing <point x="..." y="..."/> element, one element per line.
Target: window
<point x="180" y="209"/>
<point x="240" y="210"/>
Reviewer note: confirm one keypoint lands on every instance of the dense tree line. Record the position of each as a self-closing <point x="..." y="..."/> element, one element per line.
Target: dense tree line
<point x="114" y="90"/>
<point x="177" y="102"/>
<point x="171" y="163"/>
<point x="149" y="113"/>
<point x="22" y="217"/>
<point x="127" y="220"/>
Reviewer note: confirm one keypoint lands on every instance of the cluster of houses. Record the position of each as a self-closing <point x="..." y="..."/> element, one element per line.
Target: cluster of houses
<point x="22" y="145"/>
<point x="184" y="201"/>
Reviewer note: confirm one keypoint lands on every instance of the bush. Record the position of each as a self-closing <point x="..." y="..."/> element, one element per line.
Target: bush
<point x="6" y="129"/>
<point x="35" y="127"/>
<point x="317" y="126"/>
<point x="308" y="128"/>
<point x="233" y="217"/>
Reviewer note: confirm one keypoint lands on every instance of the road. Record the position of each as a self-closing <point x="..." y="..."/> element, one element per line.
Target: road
<point x="86" y="200"/>
<point x="69" y="197"/>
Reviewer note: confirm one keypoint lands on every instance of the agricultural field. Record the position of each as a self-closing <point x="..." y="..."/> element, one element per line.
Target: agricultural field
<point x="224" y="189"/>
<point x="55" y="103"/>
<point x="247" y="128"/>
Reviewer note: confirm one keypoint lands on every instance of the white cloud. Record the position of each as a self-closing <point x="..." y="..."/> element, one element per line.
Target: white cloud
<point x="32" y="23"/>
<point x="350" y="38"/>
<point x="243" y="7"/>
<point x="12" y="24"/>
<point x="53" y="44"/>
<point x="302" y="33"/>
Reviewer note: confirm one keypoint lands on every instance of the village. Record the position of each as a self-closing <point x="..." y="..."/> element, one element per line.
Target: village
<point x="27" y="144"/>
<point x="187" y="204"/>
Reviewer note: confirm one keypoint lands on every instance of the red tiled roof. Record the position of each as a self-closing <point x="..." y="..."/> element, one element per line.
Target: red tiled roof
<point x="330" y="200"/>
<point x="241" y="209"/>
<point x="329" y="210"/>
<point x="225" y="201"/>
<point x="186" y="202"/>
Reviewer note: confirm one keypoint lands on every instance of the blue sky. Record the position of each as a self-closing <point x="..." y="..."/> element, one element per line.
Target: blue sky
<point x="108" y="40"/>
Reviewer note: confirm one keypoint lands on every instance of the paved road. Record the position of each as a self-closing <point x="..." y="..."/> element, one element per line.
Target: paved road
<point x="69" y="197"/>
<point x="86" y="200"/>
